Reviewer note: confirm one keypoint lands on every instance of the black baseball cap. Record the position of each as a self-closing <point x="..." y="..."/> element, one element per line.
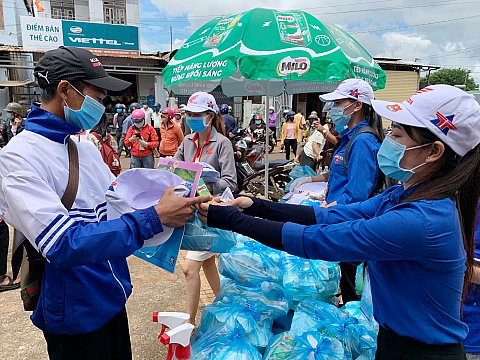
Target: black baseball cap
<point x="74" y="64"/>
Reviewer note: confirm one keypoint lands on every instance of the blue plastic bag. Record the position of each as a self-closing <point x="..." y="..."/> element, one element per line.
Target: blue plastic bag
<point x="365" y="331"/>
<point x="251" y="262"/>
<point x="200" y="237"/>
<point x="310" y="279"/>
<point x="311" y="345"/>
<point x="254" y="317"/>
<point x="269" y="293"/>
<point x="327" y="319"/>
<point x="360" y="279"/>
<point x="223" y="342"/>
<point x="298" y="172"/>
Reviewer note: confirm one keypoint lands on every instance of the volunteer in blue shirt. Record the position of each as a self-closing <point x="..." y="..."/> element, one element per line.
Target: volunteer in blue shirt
<point x="471" y="307"/>
<point x="362" y="132"/>
<point x="354" y="174"/>
<point x="416" y="237"/>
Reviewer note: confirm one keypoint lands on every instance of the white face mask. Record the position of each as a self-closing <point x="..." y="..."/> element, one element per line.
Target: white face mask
<point x="139" y="125"/>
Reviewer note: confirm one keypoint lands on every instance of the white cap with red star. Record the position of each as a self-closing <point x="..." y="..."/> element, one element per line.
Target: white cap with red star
<point x="356" y="89"/>
<point x="448" y="112"/>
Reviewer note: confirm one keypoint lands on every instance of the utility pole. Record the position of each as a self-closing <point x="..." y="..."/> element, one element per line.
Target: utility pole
<point x="171" y="42"/>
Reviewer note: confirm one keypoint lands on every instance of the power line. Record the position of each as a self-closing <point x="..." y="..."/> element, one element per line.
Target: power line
<point x="436" y="4"/>
<point x="413" y="26"/>
<point x="452" y="53"/>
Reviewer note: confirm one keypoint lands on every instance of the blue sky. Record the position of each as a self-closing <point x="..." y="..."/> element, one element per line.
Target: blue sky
<point x="155" y="28"/>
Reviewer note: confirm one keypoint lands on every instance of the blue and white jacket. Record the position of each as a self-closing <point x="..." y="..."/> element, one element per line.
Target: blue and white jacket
<point x="86" y="280"/>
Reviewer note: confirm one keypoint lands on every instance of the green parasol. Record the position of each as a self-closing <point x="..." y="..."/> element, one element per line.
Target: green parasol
<point x="292" y="47"/>
<point x="269" y="52"/>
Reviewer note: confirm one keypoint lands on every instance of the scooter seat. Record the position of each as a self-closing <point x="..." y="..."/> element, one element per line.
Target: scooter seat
<point x="259" y="165"/>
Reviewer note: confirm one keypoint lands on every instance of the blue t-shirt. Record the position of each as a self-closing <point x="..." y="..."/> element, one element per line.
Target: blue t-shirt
<point x="363" y="169"/>
<point x="127" y="123"/>
<point x="230" y="124"/>
<point x="471" y="307"/>
<point x="415" y="254"/>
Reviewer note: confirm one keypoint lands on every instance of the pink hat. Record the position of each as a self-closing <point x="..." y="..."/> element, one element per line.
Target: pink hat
<point x="169" y="112"/>
<point x="138" y="114"/>
<point x="446" y="111"/>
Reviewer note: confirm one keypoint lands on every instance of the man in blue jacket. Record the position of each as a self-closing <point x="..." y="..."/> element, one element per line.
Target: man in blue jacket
<point x="86" y="281"/>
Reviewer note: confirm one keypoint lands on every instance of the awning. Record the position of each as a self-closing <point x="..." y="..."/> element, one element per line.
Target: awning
<point x="8" y="83"/>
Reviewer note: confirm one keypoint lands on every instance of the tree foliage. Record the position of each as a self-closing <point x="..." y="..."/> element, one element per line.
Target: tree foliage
<point x="456" y="76"/>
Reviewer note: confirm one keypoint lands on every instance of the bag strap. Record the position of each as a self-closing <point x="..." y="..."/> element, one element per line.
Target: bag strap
<point x="70" y="194"/>
<point x="362" y="130"/>
<point x="99" y="138"/>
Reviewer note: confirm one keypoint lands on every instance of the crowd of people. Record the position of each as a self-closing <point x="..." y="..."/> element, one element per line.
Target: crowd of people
<point x="417" y="237"/>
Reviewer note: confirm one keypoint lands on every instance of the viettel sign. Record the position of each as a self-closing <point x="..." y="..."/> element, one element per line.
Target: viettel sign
<point x="102" y="38"/>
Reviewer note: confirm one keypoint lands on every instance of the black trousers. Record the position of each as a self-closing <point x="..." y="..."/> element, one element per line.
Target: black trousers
<point x="273" y="129"/>
<point x="348" y="272"/>
<point x="391" y="346"/>
<point x="110" y="342"/>
<point x="290" y="143"/>
<point x="16" y="257"/>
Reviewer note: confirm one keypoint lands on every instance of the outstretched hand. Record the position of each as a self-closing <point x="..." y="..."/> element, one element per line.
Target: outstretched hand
<point x="175" y="211"/>
<point x="241" y="202"/>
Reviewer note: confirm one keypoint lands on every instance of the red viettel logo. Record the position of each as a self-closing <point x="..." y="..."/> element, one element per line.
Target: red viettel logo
<point x="95" y="62"/>
<point x="209" y="151"/>
<point x="444" y="123"/>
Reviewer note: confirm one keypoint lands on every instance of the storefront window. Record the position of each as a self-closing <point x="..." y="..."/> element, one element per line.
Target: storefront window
<point x="63" y="9"/>
<point x="114" y="11"/>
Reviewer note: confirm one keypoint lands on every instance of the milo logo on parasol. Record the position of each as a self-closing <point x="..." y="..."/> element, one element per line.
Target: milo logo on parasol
<point x="289" y="65"/>
<point x="285" y="18"/>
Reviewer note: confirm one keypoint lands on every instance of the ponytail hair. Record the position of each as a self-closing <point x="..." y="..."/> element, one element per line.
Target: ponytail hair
<point x="457" y="178"/>
<point x="219" y="124"/>
<point x="374" y="121"/>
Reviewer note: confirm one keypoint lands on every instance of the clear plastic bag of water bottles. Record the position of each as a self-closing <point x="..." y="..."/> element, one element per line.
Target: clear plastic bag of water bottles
<point x="327" y="319"/>
<point x="226" y="343"/>
<point x="198" y="236"/>
<point x="269" y="293"/>
<point x="310" y="345"/>
<point x="251" y="262"/>
<point x="233" y="310"/>
<point x="310" y="279"/>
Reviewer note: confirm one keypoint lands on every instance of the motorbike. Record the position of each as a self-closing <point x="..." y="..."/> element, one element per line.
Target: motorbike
<point x="251" y="170"/>
<point x="260" y="138"/>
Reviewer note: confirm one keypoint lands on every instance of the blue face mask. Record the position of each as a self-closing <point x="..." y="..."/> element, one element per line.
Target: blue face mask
<point x="258" y="122"/>
<point x="340" y="129"/>
<point x="197" y="124"/>
<point x="119" y="111"/>
<point x="87" y="116"/>
<point x="337" y="114"/>
<point x="389" y="156"/>
<point x="9" y="116"/>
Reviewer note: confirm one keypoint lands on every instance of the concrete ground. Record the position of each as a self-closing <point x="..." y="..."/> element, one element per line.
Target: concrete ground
<point x="154" y="290"/>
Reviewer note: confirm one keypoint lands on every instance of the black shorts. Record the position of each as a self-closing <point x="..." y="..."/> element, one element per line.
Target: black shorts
<point x="391" y="346"/>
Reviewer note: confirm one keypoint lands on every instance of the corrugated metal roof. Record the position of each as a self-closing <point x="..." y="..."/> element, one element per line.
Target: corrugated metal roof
<point x="399" y="62"/>
<point x="20" y="49"/>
